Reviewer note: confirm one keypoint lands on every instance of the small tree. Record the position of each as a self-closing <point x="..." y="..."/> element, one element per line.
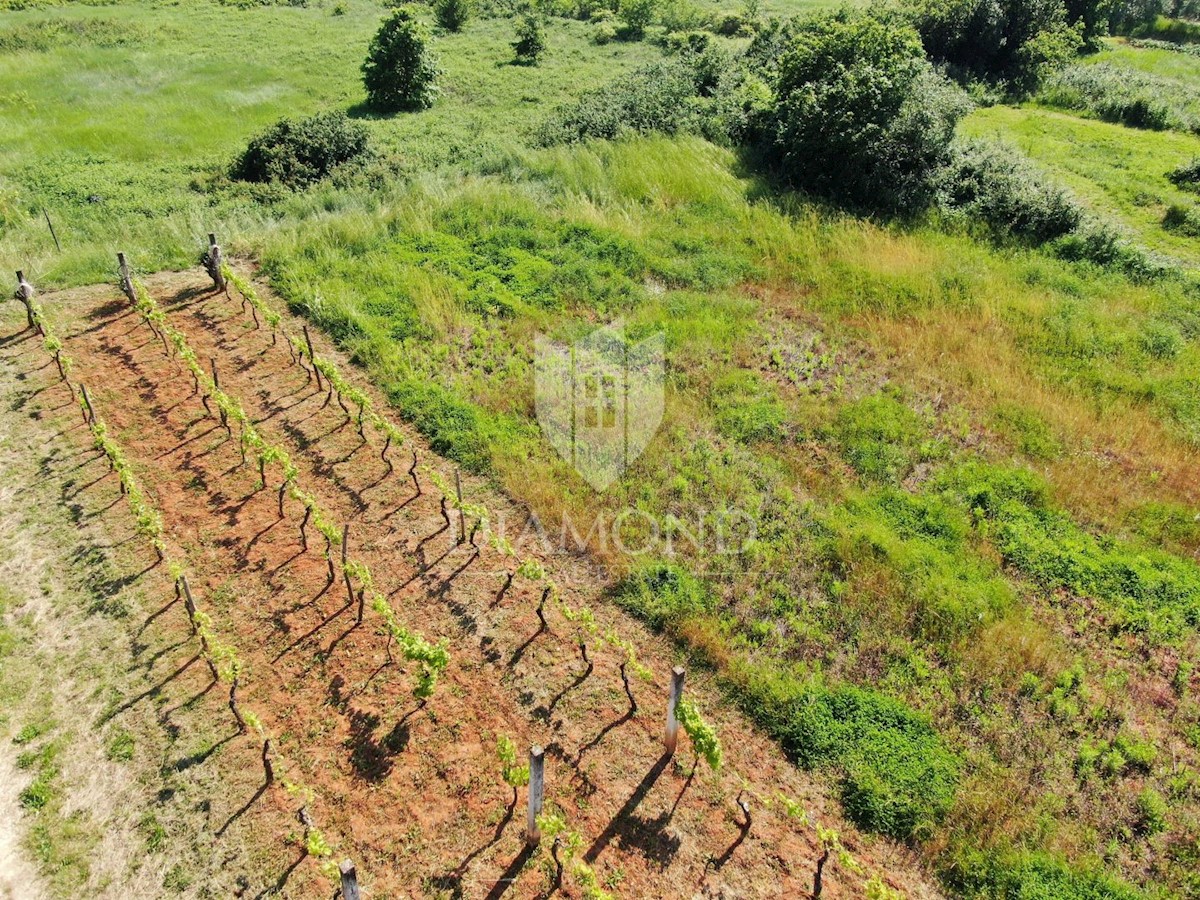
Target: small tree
<point x="400" y="71"/>
<point x="530" y="44"/>
<point x="637" y="15"/>
<point x="452" y="14"/>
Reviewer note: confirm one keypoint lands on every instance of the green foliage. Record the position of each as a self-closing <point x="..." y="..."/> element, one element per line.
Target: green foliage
<point x="1030" y="876"/>
<point x="660" y="97"/>
<point x="991" y="184"/>
<point x="515" y="775"/>
<point x="898" y="777"/>
<point x="1184" y="219"/>
<point x="1143" y="590"/>
<point x="665" y="594"/>
<point x="1014" y="43"/>
<point x="861" y="117"/>
<point x="297" y="153"/>
<point x="43" y="35"/>
<point x="530" y="44"/>
<point x="400" y="71"/>
<point x="1119" y="94"/>
<point x="432" y="658"/>
<point x="703" y="736"/>
<point x="746" y="409"/>
<point x="452" y="14"/>
<point x="1152" y="811"/>
<point x="1187" y="175"/>
<point x="637" y="15"/>
<point x="880" y="437"/>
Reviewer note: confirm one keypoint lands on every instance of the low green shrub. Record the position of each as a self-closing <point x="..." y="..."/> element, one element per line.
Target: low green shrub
<point x="898" y="776"/>
<point x="664" y="594"/>
<point x="880" y="437"/>
<point x="1187" y="176"/>
<point x="1152" y="812"/>
<point x="663" y="97"/>
<point x="982" y="875"/>
<point x="452" y="14"/>
<point x="1143" y="589"/>
<point x="746" y="410"/>
<point x="1184" y="219"/>
<point x="1125" y="96"/>
<point x="299" y="152"/>
<point x="995" y="185"/>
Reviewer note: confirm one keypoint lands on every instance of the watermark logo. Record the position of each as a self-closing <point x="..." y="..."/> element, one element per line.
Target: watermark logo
<point x="600" y="400"/>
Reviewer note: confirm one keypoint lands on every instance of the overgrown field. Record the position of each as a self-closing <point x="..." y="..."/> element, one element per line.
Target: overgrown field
<point x="963" y="584"/>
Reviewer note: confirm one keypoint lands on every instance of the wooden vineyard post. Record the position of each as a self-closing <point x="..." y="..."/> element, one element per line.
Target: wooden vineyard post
<point x="188" y="602"/>
<point x="672" y="736"/>
<point x="126" y="279"/>
<point x="462" y="517"/>
<point x="87" y="402"/>
<point x="25" y="295"/>
<point x="214" y="262"/>
<point x="537" y="783"/>
<point x="312" y="356"/>
<point x="349" y="881"/>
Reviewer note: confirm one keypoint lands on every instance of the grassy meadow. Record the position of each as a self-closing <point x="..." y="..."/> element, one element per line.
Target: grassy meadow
<point x="969" y="593"/>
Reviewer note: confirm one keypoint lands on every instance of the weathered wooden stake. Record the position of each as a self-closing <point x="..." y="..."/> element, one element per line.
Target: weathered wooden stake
<point x="25" y="295"/>
<point x="537" y="783"/>
<point x="126" y="279"/>
<point x="53" y="233"/>
<point x="87" y="401"/>
<point x="312" y="356"/>
<point x="188" y="603"/>
<point x="214" y="262"/>
<point x="672" y="736"/>
<point x="349" y="881"/>
<point x="462" y="519"/>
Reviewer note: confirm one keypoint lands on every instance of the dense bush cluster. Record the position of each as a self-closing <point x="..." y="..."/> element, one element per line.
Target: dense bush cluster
<point x="400" y="71"/>
<point x="993" y="185"/>
<point x="860" y="115"/>
<point x="1122" y="95"/>
<point x="1014" y="43"/>
<point x="298" y="152"/>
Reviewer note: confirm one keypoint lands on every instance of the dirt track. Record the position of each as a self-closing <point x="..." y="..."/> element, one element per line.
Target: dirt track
<point x="413" y="793"/>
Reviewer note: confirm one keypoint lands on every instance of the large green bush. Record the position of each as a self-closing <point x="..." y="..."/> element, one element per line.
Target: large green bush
<point x="400" y="71"/>
<point x="299" y="152"/>
<point x="1011" y="42"/>
<point x="861" y="117"/>
<point x="990" y="184"/>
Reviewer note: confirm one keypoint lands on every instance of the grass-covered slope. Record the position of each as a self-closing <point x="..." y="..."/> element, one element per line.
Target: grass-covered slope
<point x="961" y="578"/>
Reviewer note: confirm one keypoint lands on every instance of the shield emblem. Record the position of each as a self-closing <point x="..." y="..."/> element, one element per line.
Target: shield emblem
<point x="599" y="401"/>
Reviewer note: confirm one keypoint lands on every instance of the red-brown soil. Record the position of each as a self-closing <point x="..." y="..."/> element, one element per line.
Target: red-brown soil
<point x="413" y="793"/>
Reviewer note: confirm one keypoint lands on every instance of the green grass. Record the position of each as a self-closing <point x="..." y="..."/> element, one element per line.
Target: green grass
<point x="1119" y="172"/>
<point x="910" y="605"/>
